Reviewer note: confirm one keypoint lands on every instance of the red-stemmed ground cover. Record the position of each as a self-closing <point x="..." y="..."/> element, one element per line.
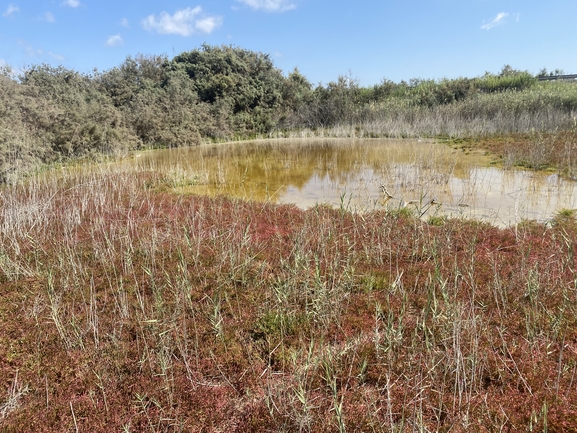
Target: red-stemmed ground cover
<point x="124" y="307"/>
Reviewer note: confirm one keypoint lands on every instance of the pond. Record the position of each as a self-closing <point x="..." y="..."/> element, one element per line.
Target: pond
<point x="363" y="175"/>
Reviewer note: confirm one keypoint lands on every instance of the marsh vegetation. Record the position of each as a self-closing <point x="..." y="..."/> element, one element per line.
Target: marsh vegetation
<point x="126" y="307"/>
<point x="129" y="301"/>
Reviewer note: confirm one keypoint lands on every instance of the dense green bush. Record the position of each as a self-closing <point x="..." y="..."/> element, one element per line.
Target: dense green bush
<point x="24" y="118"/>
<point x="83" y="120"/>
<point x="246" y="82"/>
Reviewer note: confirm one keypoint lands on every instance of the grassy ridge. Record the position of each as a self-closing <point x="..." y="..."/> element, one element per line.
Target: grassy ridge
<point x="126" y="308"/>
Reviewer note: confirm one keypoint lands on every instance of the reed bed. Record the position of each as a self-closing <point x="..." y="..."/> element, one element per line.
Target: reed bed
<point x="125" y="307"/>
<point x="545" y="108"/>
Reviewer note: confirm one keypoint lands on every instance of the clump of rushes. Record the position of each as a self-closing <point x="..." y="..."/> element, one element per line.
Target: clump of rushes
<point x="128" y="308"/>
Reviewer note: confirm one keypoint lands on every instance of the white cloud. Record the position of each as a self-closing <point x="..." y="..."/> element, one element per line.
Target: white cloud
<point x="124" y="23"/>
<point x="270" y="5"/>
<point x="71" y="3"/>
<point x="184" y="22"/>
<point x="11" y="10"/>
<point x="48" y="16"/>
<point x="207" y="25"/>
<point x="499" y="19"/>
<point x="114" y="40"/>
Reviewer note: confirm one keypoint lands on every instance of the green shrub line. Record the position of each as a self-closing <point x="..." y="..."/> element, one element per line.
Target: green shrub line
<point x="219" y="93"/>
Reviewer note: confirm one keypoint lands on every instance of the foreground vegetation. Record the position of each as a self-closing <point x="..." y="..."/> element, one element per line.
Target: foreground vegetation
<point x="124" y="307"/>
<point x="127" y="307"/>
<point x="52" y="114"/>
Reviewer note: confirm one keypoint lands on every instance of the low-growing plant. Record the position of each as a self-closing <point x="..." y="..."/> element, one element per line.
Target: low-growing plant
<point x="135" y="308"/>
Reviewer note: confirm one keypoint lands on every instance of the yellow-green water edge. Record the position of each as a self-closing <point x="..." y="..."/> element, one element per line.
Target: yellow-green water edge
<point x="350" y="172"/>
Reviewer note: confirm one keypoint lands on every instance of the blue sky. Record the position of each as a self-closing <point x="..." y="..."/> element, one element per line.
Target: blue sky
<point x="369" y="40"/>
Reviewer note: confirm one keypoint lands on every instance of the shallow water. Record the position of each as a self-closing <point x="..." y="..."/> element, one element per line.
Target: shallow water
<point x="349" y="173"/>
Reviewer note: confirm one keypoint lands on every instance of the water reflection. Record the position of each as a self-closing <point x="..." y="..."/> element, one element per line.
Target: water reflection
<point x="349" y="173"/>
